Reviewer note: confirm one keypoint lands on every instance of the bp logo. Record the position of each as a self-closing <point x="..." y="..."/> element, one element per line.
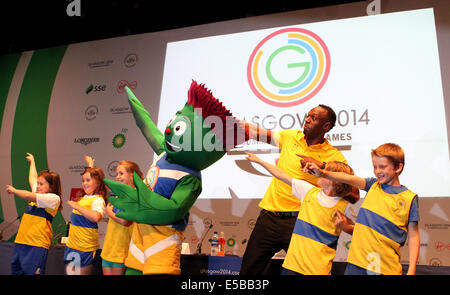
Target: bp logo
<point x="118" y="140"/>
<point x="288" y="67"/>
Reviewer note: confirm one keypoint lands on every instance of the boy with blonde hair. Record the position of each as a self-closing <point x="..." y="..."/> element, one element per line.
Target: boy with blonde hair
<point x="388" y="214"/>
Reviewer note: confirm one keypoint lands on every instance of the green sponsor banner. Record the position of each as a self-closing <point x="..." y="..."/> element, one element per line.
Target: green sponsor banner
<point x="8" y="64"/>
<point x="29" y="133"/>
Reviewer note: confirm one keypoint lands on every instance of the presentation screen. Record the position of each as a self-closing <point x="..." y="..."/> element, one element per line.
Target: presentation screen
<point x="379" y="73"/>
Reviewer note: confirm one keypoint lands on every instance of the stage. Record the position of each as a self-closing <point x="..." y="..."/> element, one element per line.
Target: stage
<point x="190" y="264"/>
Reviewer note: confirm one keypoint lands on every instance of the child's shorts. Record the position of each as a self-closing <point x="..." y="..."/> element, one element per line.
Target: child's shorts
<point x="352" y="269"/>
<point x="106" y="263"/>
<point x="28" y="260"/>
<point x="78" y="258"/>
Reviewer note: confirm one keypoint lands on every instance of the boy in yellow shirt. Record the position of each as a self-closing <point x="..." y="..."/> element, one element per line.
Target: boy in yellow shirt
<point x="388" y="214"/>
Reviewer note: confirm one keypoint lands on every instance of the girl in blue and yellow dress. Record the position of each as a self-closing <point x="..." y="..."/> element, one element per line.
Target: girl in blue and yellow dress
<point x="88" y="211"/>
<point x="35" y="231"/>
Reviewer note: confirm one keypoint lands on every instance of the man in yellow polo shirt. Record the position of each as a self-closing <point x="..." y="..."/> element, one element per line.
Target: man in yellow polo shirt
<point x="276" y="221"/>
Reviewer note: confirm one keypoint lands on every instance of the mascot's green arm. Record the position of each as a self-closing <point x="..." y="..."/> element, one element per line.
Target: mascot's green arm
<point x="145" y="206"/>
<point x="154" y="137"/>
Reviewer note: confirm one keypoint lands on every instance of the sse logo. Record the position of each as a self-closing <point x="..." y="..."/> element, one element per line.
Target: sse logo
<point x="95" y="88"/>
<point x="288" y="67"/>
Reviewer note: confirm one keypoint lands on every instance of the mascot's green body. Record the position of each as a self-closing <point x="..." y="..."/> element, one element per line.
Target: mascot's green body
<point x="196" y="137"/>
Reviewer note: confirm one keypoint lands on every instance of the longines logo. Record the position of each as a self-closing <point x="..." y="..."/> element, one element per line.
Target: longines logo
<point x="86" y="140"/>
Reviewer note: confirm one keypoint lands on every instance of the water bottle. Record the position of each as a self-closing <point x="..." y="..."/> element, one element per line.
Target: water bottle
<point x="214" y="244"/>
<point x="221" y="241"/>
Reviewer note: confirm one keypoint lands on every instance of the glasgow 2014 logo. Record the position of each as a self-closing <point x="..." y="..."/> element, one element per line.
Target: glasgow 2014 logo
<point x="288" y="67"/>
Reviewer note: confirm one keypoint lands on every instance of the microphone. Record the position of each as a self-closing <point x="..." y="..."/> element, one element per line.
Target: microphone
<point x="7" y="226"/>
<point x="199" y="245"/>
<point x="55" y="238"/>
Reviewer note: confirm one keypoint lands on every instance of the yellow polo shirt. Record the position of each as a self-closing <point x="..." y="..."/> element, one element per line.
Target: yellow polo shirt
<point x="83" y="233"/>
<point x="381" y="229"/>
<point x="278" y="197"/>
<point x="117" y="241"/>
<point x="314" y="239"/>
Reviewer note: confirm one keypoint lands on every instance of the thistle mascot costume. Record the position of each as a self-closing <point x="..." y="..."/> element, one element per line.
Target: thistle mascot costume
<point x="196" y="137"/>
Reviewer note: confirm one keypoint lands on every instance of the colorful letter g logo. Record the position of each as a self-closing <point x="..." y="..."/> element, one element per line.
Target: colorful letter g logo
<point x="288" y="67"/>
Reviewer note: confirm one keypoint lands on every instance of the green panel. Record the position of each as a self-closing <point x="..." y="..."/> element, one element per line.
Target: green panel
<point x="30" y="122"/>
<point x="8" y="65"/>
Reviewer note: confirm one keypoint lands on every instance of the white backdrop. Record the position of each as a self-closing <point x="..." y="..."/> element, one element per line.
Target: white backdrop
<point x="384" y="84"/>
